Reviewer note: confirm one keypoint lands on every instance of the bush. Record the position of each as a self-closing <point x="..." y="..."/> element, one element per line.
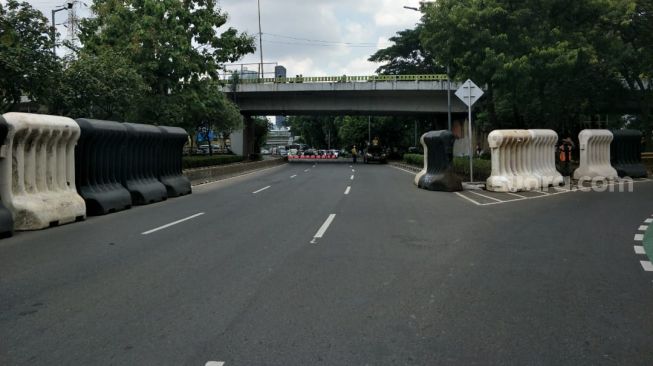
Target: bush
<point x="190" y="162"/>
<point x="482" y="167"/>
<point x="414" y="159"/>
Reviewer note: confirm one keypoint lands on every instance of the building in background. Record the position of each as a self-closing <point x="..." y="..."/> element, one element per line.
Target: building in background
<point x="279" y="72"/>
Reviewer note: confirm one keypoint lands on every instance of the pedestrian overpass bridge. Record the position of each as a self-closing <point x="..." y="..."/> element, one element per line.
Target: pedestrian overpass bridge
<point x="345" y="95"/>
<point x="338" y="95"/>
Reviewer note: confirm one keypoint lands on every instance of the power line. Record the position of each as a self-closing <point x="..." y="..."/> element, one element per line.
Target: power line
<point x="321" y="41"/>
<point x="320" y="45"/>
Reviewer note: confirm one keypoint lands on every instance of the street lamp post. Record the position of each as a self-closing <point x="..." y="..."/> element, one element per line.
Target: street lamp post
<point x="260" y="37"/>
<point x="68" y="5"/>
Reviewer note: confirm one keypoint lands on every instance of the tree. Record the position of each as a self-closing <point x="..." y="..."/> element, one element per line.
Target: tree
<point x="103" y="86"/>
<point x="406" y="56"/>
<point x="536" y="59"/>
<point x="27" y="65"/>
<point x="174" y="45"/>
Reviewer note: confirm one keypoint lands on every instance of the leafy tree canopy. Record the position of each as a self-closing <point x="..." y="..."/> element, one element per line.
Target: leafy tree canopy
<point x="27" y="65"/>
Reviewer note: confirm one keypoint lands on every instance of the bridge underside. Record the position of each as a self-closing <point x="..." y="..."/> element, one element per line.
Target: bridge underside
<point x="382" y="98"/>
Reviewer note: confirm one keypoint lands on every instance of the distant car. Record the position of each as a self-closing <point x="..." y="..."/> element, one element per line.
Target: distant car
<point x="309" y="152"/>
<point x="375" y="153"/>
<point x="265" y="152"/>
<point x="333" y="152"/>
<point x="293" y="152"/>
<point x="281" y="151"/>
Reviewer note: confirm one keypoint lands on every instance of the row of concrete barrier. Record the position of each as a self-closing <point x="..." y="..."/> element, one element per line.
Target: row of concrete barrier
<point x="525" y="159"/>
<point x="319" y="157"/>
<point x="55" y="170"/>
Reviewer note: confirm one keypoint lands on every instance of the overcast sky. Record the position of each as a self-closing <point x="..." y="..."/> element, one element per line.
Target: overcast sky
<point x="310" y="37"/>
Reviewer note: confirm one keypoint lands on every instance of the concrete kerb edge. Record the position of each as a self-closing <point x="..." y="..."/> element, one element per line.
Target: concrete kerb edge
<point x="206" y="175"/>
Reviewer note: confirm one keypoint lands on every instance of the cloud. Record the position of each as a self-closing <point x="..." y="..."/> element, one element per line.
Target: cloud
<point x="312" y="37"/>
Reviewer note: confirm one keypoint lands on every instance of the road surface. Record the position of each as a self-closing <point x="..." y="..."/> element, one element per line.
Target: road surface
<point x="334" y="265"/>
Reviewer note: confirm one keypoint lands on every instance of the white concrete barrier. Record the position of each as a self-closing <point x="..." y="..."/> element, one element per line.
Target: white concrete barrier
<point x="595" y="155"/>
<point x="511" y="161"/>
<point x="37" y="171"/>
<point x="543" y="152"/>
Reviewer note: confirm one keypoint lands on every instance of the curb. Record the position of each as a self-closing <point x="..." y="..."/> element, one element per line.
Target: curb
<point x="219" y="172"/>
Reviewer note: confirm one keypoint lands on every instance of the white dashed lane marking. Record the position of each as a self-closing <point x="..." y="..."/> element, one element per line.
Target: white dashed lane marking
<point x="323" y="228"/>
<point x="642" y="227"/>
<point x="293" y="176"/>
<point x="352" y="177"/>
<point x="172" y="223"/>
<point x="261" y="190"/>
<point x="639" y="237"/>
<point x="639" y="249"/>
<point x="347" y="190"/>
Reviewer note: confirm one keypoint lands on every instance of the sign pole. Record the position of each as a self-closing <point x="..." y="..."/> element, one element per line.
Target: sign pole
<point x="469" y="118"/>
<point x="469" y="93"/>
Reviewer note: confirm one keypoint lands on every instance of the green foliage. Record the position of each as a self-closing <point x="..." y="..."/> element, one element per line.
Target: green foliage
<point x="542" y="63"/>
<point x="482" y="167"/>
<point x="103" y="86"/>
<point x="190" y="162"/>
<point x="176" y="48"/>
<point x="406" y="56"/>
<point x="27" y="65"/>
<point x="261" y="128"/>
<point x="414" y="159"/>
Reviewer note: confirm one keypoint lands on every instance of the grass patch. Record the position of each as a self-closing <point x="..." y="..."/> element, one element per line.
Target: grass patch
<point x="190" y="162"/>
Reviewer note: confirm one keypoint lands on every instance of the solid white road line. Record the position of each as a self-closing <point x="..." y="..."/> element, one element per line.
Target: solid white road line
<point x="323" y="228"/>
<point x="352" y="177"/>
<point x="172" y="223"/>
<point x="214" y="363"/>
<point x="648" y="266"/>
<point x="347" y="190"/>
<point x="648" y="221"/>
<point x="642" y="227"/>
<point x="488" y="197"/>
<point x="639" y="249"/>
<point x="293" y="176"/>
<point x="261" y="190"/>
<point x="516" y="195"/>
<point x="468" y="199"/>
<point x="402" y="169"/>
<point x="639" y="237"/>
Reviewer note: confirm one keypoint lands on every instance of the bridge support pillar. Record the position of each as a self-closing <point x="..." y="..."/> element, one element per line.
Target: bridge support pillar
<point x="249" y="136"/>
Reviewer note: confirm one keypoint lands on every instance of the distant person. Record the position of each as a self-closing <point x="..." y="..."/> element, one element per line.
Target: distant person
<point x="565" y="148"/>
<point x="479" y="150"/>
<point x="354" y="153"/>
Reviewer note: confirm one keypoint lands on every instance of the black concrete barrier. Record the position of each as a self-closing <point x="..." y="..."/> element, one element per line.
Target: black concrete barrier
<point x="626" y="153"/>
<point x="6" y="219"/>
<point x="141" y="164"/>
<point x="438" y="174"/>
<point x="170" y="161"/>
<point x="98" y="166"/>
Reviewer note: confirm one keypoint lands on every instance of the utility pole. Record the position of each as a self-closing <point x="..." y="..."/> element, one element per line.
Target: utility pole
<point x="369" y="130"/>
<point x="68" y="5"/>
<point x="448" y="97"/>
<point x="260" y="36"/>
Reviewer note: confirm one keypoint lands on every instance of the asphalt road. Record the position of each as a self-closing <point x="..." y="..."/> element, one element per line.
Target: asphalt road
<point x="400" y="276"/>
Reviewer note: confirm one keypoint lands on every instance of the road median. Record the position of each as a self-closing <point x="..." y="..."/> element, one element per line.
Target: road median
<point x="213" y="173"/>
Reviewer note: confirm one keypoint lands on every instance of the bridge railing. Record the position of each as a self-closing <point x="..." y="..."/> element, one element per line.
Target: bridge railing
<point x="344" y="79"/>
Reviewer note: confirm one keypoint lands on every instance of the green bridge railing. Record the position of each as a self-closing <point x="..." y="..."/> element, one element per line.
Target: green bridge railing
<point x="343" y="79"/>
